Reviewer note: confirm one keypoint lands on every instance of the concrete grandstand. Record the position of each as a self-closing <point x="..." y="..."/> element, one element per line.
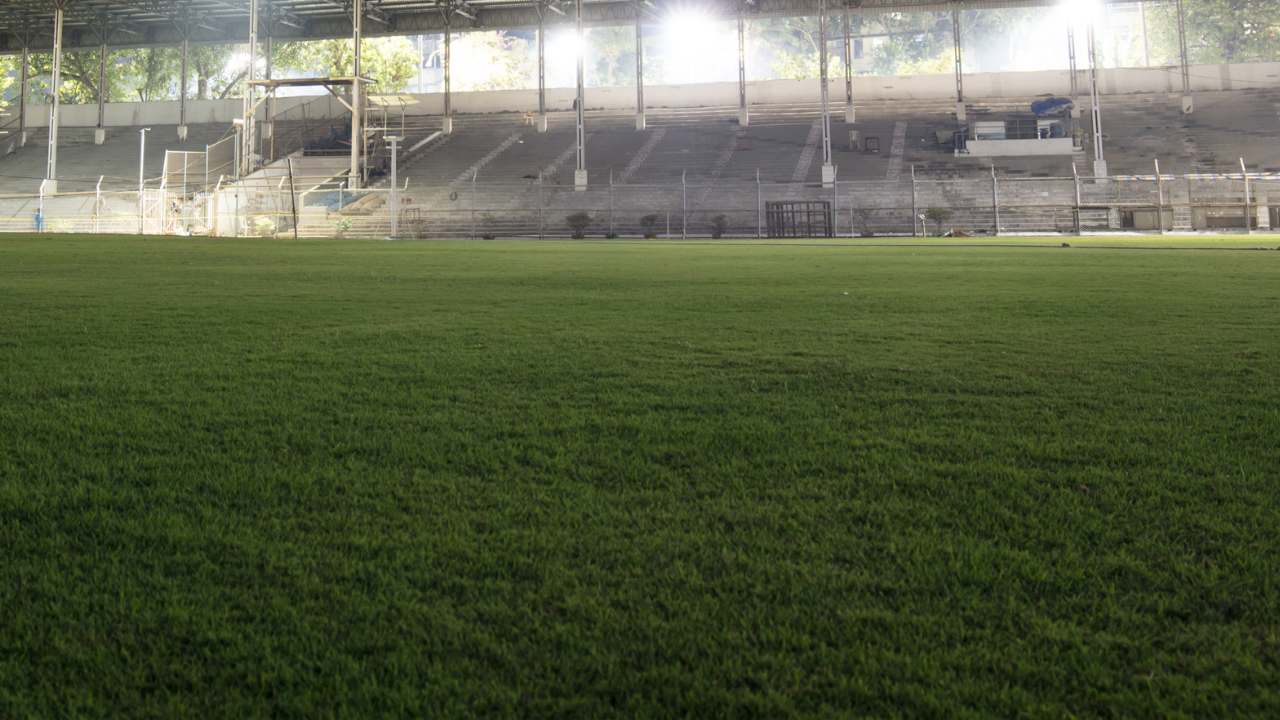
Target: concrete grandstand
<point x="517" y="162"/>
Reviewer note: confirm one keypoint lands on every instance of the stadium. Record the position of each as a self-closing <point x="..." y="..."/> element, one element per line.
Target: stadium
<point x="617" y="358"/>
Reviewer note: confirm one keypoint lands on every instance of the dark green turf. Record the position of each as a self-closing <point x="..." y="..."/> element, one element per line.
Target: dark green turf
<point x="251" y="478"/>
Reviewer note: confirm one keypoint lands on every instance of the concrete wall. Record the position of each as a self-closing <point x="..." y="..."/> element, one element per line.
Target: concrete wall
<point x="981" y="86"/>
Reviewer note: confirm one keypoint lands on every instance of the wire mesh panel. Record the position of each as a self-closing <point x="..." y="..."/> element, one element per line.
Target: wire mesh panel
<point x="868" y="209"/>
<point x="1036" y="205"/>
<point x="958" y="204"/>
<point x="273" y="203"/>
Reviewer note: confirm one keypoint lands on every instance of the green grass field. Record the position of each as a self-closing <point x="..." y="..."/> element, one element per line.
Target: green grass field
<point x="366" y="479"/>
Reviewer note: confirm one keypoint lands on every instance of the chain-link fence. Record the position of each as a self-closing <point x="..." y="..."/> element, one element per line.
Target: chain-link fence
<point x="281" y="204"/>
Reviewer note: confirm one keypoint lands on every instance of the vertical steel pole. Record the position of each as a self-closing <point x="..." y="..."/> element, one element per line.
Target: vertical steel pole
<point x="142" y="156"/>
<point x="995" y="199"/>
<point x="357" y="107"/>
<point x="250" y="91"/>
<point x="640" y="119"/>
<point x="743" y="119"/>
<point x="473" y="204"/>
<point x="395" y="189"/>
<point x="828" y="173"/>
<point x="541" y="224"/>
<point x="610" y="201"/>
<point x="913" y="203"/>
<point x="1075" y="174"/>
<point x="102" y="81"/>
<point x="1142" y="24"/>
<point x="293" y="199"/>
<point x="182" y="90"/>
<point x="759" y="208"/>
<point x="1072" y="72"/>
<point x="1182" y="57"/>
<point x="580" y="177"/>
<point x="684" y="208"/>
<point x="1248" y="207"/>
<point x="848" y="65"/>
<point x="1159" y="198"/>
<point x="55" y="86"/>
<point x="22" y="95"/>
<point x="542" y="67"/>
<point x="955" y="37"/>
<point x="1099" y="160"/>
<point x="448" y="69"/>
<point x="268" y="117"/>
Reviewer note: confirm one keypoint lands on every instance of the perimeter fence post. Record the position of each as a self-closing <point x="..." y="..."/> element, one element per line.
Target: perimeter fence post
<point x="1159" y="199"/>
<point x="995" y="199"/>
<point x="913" y="201"/>
<point x="684" y="208"/>
<point x="97" y="203"/>
<point x="293" y="199"/>
<point x="540" y="225"/>
<point x="1248" y="221"/>
<point x="610" y="201"/>
<point x="1076" y="177"/>
<point x="835" y="207"/>
<point x="759" y="208"/>
<point x="473" y="204"/>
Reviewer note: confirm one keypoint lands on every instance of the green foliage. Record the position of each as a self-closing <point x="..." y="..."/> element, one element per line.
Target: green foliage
<point x="342" y="224"/>
<point x="719" y="224"/>
<point x="649" y="223"/>
<point x="350" y="479"/>
<point x="264" y="226"/>
<point x="391" y="61"/>
<point x="490" y="61"/>
<point x="938" y="215"/>
<point x="1218" y="31"/>
<point x="578" y="223"/>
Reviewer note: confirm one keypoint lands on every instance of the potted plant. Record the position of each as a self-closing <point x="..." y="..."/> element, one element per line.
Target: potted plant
<point x="578" y="223"/>
<point x="649" y="223"/>
<point x="938" y="215"/>
<point x="488" y="221"/>
<point x="718" y="225"/>
<point x="864" y="215"/>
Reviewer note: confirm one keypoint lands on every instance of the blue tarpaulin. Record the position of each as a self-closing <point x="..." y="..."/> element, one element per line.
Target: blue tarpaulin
<point x="1052" y="106"/>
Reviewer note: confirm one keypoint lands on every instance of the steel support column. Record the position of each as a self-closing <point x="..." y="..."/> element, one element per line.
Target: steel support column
<point x="955" y="38"/>
<point x="22" y="96"/>
<point x="580" y="174"/>
<point x="55" y="84"/>
<point x="1071" y="63"/>
<point x="640" y="124"/>
<point x="744" y="118"/>
<point x="1182" y="61"/>
<point x="100" y="135"/>
<point x="542" y="72"/>
<point x="250" y="93"/>
<point x="1099" y="160"/>
<point x="268" y="117"/>
<point x="182" y="92"/>
<point x="850" y="115"/>
<point x="356" y="180"/>
<point x="828" y="170"/>
<point x="447" y="123"/>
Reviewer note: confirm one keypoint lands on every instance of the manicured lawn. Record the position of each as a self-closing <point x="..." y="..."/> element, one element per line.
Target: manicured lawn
<point x="367" y="479"/>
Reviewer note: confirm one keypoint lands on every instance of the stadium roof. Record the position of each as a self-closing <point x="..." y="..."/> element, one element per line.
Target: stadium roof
<point x="150" y="23"/>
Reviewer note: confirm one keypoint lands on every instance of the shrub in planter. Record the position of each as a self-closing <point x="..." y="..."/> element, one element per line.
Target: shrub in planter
<point x="649" y="223"/>
<point x="578" y="223"/>
<point x="718" y="225"/>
